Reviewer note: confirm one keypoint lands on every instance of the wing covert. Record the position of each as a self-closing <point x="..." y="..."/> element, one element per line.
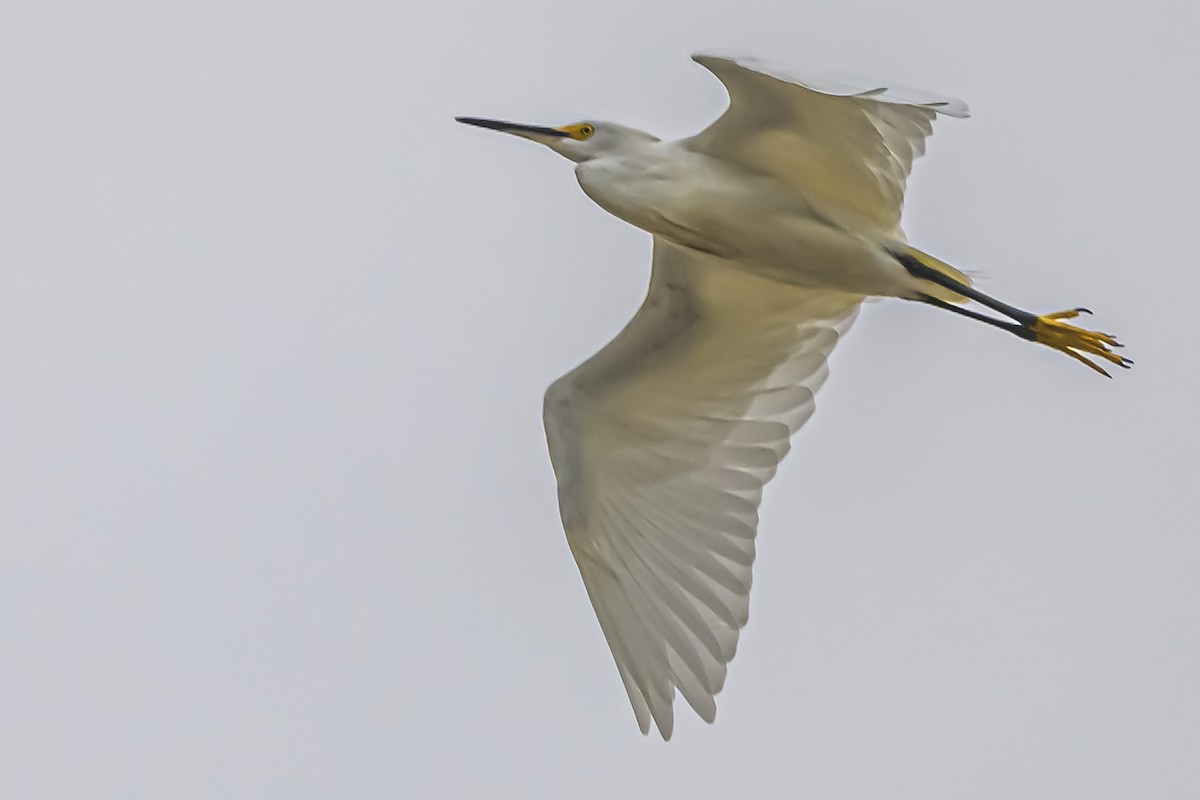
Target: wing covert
<point x="848" y="146"/>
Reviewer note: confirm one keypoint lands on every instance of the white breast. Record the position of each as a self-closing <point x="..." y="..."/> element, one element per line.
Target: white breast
<point x="673" y="193"/>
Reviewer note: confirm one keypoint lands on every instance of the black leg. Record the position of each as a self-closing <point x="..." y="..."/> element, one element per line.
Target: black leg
<point x="1012" y="327"/>
<point x="919" y="270"/>
<point x="1047" y="329"/>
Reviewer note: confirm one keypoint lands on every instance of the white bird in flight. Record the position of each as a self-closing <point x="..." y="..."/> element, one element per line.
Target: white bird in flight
<point x="770" y="228"/>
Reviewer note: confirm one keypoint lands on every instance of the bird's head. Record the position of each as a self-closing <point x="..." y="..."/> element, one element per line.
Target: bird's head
<point x="580" y="142"/>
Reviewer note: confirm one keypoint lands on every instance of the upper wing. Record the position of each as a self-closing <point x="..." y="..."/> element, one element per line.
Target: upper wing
<point x="849" y="148"/>
<point x="662" y="442"/>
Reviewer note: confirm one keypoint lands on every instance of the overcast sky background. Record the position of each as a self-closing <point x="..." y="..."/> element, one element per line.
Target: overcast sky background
<point x="276" y="510"/>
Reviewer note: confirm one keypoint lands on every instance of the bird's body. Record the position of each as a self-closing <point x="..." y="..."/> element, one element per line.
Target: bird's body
<point x="770" y="228"/>
<point x="753" y="222"/>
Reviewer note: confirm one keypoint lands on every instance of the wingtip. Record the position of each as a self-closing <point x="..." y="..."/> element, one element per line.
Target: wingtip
<point x="833" y="83"/>
<point x="705" y="58"/>
<point x="709" y="58"/>
<point x="952" y="107"/>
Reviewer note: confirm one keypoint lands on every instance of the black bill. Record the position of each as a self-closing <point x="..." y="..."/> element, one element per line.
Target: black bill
<point x="511" y="127"/>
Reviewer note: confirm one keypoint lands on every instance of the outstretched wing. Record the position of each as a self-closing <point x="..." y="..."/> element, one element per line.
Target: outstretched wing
<point x="848" y="148"/>
<point x="661" y="444"/>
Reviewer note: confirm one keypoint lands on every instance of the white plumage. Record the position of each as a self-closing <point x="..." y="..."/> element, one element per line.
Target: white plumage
<point x="848" y="148"/>
<point x="770" y="227"/>
<point x="662" y="443"/>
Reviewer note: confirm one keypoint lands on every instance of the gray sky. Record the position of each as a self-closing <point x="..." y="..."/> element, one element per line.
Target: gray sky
<point x="277" y="514"/>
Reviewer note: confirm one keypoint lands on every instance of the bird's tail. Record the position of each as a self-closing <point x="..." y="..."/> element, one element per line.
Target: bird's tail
<point x="933" y="289"/>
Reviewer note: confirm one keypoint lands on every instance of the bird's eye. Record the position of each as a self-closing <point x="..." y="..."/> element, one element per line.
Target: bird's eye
<point x="585" y="131"/>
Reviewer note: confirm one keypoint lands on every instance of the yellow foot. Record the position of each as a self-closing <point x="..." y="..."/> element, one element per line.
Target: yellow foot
<point x="1076" y="342"/>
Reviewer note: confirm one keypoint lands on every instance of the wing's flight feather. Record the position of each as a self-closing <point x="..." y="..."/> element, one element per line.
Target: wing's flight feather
<point x="848" y="147"/>
<point x="661" y="444"/>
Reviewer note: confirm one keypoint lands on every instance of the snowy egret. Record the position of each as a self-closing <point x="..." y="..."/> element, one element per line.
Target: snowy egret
<point x="770" y="227"/>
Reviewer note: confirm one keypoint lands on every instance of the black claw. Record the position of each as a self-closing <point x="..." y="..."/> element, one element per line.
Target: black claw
<point x="1083" y="310"/>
